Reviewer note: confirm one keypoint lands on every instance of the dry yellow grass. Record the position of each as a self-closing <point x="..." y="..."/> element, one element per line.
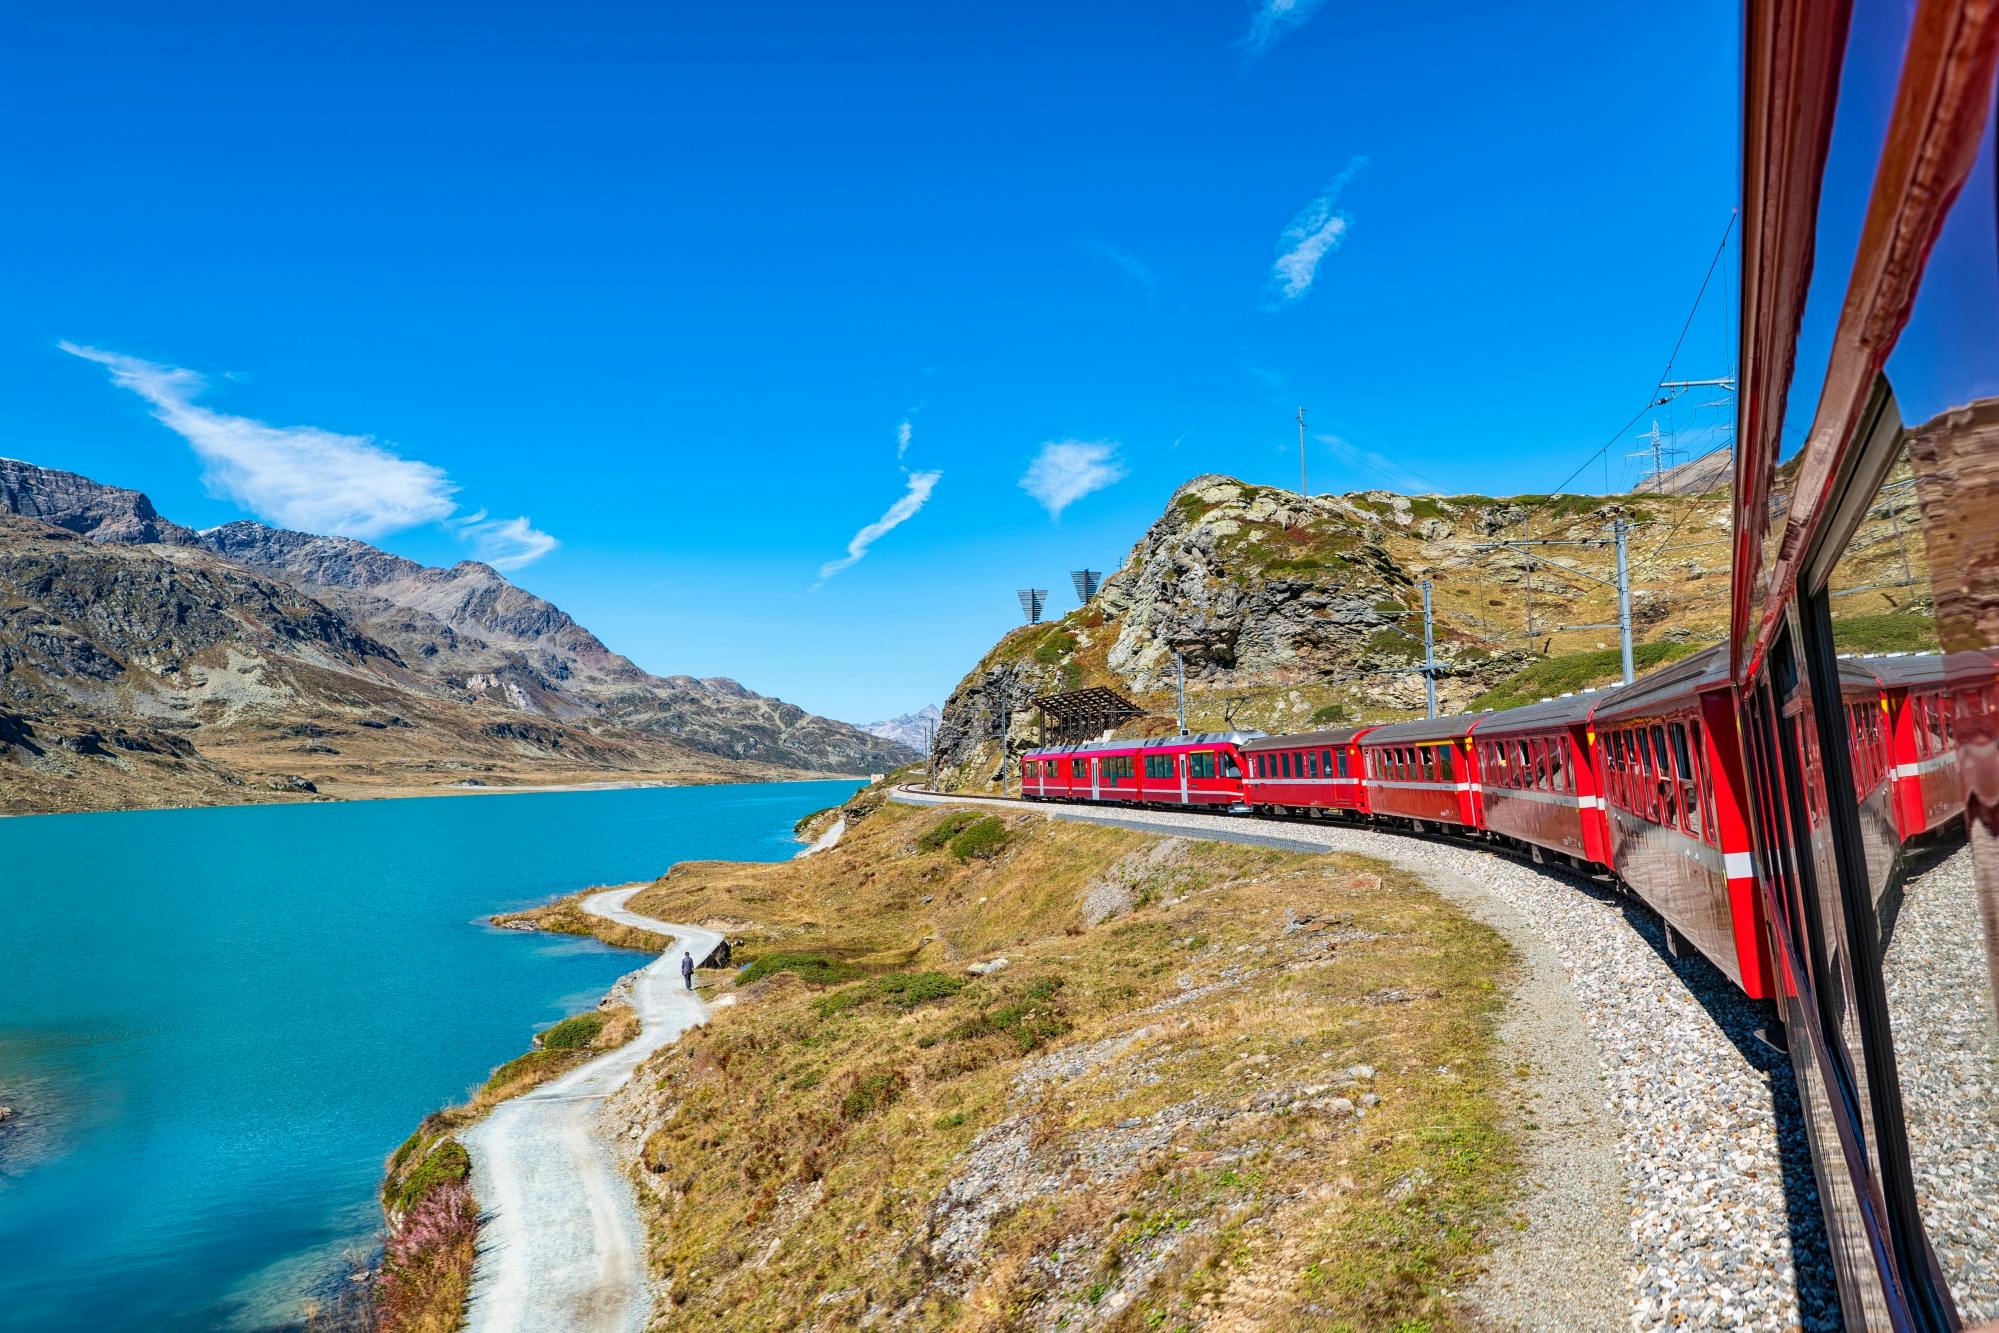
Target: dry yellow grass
<point x="1259" y="1092"/>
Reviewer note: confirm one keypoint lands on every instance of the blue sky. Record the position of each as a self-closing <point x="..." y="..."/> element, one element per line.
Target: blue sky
<point x="784" y="341"/>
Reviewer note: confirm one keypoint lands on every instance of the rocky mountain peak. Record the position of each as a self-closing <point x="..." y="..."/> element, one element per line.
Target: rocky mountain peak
<point x="88" y="508"/>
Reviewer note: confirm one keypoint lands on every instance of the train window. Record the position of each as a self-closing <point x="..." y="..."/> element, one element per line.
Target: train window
<point x="1079" y="768"/>
<point x="1428" y="757"/>
<point x="1326" y="764"/>
<point x="1311" y="758"/>
<point x="1159" y="766"/>
<point x="1446" y="765"/>
<point x="1340" y="757"/>
<point x="1201" y="764"/>
<point x="1689" y="790"/>
<point x="1910" y="546"/>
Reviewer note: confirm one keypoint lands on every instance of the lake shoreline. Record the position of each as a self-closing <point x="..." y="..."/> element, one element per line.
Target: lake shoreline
<point x="280" y="1185"/>
<point x="425" y="793"/>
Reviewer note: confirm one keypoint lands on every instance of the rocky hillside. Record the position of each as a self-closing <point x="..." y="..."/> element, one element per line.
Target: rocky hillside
<point x="1290" y="612"/>
<point x="142" y="663"/>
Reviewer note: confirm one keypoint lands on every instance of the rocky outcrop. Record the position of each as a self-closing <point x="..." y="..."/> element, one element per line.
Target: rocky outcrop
<point x="85" y="507"/>
<point x="1287" y="612"/>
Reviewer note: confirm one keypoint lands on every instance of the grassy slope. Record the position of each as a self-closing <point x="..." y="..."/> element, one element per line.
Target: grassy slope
<point x="1578" y="671"/>
<point x="1148" y="1107"/>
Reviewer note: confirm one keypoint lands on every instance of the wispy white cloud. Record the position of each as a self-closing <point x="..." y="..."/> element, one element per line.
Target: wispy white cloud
<point x="505" y="543"/>
<point x="297" y="476"/>
<point x="902" y="436"/>
<point x="1313" y="234"/>
<point x="1273" y="19"/>
<point x="899" y="513"/>
<point x="1398" y="477"/>
<point x="1130" y="264"/>
<point x="311" y="479"/>
<point x="1067" y="470"/>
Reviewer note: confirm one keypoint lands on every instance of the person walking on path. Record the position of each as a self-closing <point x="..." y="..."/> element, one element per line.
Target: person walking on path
<point x="687" y="969"/>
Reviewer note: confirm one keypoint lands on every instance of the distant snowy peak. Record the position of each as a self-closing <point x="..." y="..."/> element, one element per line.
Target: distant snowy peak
<point x="912" y="729"/>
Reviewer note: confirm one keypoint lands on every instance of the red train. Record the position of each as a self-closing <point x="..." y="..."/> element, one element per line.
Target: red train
<point x="1824" y="827"/>
<point x="1644" y="782"/>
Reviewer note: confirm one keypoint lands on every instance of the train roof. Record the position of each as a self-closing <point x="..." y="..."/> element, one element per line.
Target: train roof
<point x="1307" y="739"/>
<point x="1150" y="742"/>
<point x="1426" y="729"/>
<point x="1566" y="710"/>
<point x="1898" y="669"/>
<point x="1704" y="670"/>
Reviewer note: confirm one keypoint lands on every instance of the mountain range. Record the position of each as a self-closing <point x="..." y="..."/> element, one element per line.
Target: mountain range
<point x="911" y="729"/>
<point x="145" y="663"/>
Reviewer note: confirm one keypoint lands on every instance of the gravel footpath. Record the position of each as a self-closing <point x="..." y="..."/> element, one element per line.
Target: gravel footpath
<point x="1722" y="1227"/>
<point x="560" y="1246"/>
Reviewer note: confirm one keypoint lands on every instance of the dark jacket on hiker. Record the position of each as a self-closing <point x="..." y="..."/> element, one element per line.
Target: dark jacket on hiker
<point x="687" y="969"/>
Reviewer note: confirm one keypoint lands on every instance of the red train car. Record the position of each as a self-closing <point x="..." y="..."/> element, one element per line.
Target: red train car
<point x="1424" y="771"/>
<point x="1919" y="722"/>
<point x="1203" y="770"/>
<point x="1674" y="811"/>
<point x="1538" y="778"/>
<point x="1319" y="772"/>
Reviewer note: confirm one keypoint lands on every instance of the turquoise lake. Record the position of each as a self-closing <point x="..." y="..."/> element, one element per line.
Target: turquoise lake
<point x="215" y="1024"/>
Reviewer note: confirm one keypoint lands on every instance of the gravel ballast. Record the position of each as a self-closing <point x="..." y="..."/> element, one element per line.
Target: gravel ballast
<point x="1722" y="1227"/>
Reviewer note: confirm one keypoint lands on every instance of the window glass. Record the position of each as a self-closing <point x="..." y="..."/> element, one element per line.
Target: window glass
<point x="1913" y="574"/>
<point x="1079" y="768"/>
<point x="1341" y="757"/>
<point x="1449" y="769"/>
<point x="1230" y="769"/>
<point x="1201" y="764"/>
<point x="1311" y="764"/>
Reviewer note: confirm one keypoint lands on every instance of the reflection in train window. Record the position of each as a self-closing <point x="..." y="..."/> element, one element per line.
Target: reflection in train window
<point x="1909" y="670"/>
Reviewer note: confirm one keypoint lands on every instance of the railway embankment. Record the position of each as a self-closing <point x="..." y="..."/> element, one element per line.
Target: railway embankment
<point x="989" y="1070"/>
<point x="1718" y="1209"/>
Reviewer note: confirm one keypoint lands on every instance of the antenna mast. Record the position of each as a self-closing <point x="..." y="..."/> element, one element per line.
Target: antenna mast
<point x="1304" y="488"/>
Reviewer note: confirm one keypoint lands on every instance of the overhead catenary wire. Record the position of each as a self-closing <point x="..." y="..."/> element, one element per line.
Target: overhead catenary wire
<point x="1651" y="397"/>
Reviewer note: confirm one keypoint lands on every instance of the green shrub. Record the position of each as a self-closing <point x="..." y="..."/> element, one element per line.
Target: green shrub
<point x="982" y="840"/>
<point x="1055" y="647"/>
<point x="1031" y="1021"/>
<point x="1552" y="676"/>
<point x="899" y="990"/>
<point x="873" y="1092"/>
<point x="1330" y="715"/>
<point x="573" y="1034"/>
<point x="906" y="990"/>
<point x="815" y="968"/>
<point x="946" y="829"/>
<point x="448" y="1161"/>
<point x="1888" y="632"/>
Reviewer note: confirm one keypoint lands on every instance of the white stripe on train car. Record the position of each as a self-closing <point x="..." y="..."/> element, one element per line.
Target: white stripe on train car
<point x="1542" y="797"/>
<point x="1929" y="765"/>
